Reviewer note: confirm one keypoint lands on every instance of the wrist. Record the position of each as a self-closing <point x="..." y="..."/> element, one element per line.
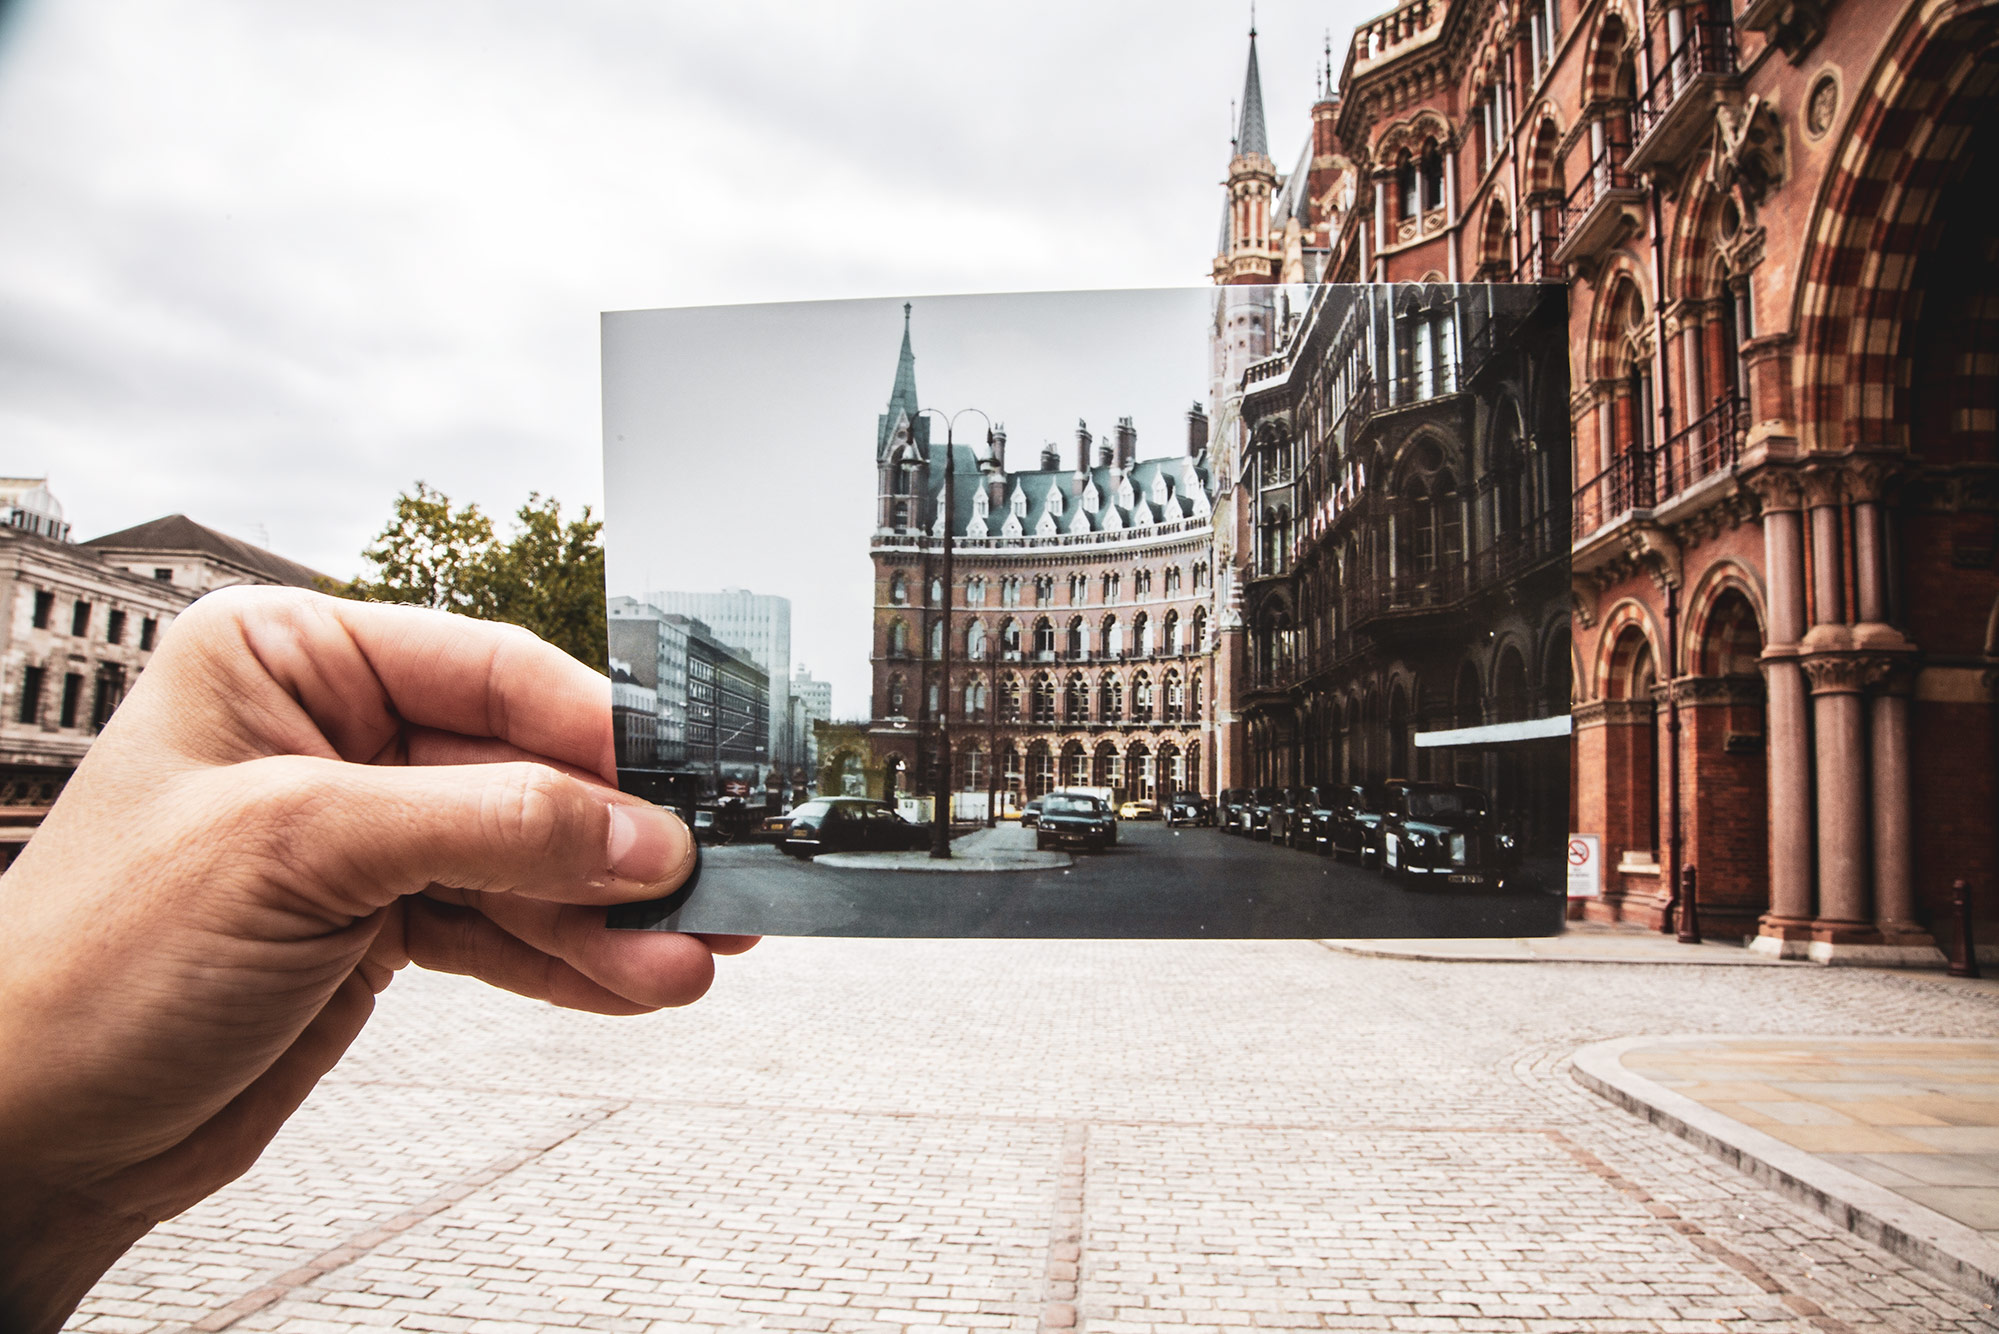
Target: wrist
<point x="53" y="1249"/>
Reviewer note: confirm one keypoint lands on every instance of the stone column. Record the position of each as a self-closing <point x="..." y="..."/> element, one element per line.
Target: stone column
<point x="1840" y="744"/>
<point x="1784" y="928"/>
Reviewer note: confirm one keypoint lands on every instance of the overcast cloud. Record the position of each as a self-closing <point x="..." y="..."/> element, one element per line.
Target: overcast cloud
<point x="269" y="264"/>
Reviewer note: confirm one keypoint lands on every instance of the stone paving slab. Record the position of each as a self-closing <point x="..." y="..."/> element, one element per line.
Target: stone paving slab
<point x="1895" y="1138"/>
<point x="1582" y="943"/>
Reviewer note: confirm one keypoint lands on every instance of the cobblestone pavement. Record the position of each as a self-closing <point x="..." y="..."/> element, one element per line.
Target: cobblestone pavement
<point x="1111" y="1136"/>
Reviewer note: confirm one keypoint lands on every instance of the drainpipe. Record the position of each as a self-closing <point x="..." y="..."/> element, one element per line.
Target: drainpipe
<point x="1671" y="869"/>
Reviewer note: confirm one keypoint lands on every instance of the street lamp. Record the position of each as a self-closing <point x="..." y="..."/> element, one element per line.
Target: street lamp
<point x="940" y="824"/>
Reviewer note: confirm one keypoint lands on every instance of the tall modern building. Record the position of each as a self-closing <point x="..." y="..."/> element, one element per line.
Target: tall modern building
<point x="757" y="625"/>
<point x="713" y="702"/>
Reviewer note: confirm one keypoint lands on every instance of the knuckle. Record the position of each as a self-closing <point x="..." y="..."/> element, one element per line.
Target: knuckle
<point x="531" y="808"/>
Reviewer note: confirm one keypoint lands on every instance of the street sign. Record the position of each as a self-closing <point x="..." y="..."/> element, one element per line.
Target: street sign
<point x="1585" y="857"/>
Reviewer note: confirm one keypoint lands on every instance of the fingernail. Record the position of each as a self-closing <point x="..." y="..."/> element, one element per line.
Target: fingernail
<point x="646" y="844"/>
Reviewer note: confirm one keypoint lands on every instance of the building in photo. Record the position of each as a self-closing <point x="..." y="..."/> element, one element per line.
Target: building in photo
<point x="711" y="703"/>
<point x="1399" y="605"/>
<point x="1079" y="631"/>
<point x="1773" y="225"/>
<point x="757" y="626"/>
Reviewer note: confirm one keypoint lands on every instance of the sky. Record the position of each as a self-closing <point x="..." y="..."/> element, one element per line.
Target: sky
<point x="739" y="441"/>
<point x="269" y="265"/>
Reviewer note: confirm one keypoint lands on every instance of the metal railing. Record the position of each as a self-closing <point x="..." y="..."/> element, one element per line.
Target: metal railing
<point x="1644" y="478"/>
<point x="1606" y="172"/>
<point x="1707" y="48"/>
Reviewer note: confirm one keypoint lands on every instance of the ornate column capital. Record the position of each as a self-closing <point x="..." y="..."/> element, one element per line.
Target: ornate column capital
<point x="1778" y="488"/>
<point x="1824" y="484"/>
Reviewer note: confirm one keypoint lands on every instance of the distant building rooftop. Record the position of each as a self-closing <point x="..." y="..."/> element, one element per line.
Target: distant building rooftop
<point x="178" y="535"/>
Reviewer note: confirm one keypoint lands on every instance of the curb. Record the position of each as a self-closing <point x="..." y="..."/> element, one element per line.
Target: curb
<point x="959" y="862"/>
<point x="1366" y="951"/>
<point x="1936" y="1244"/>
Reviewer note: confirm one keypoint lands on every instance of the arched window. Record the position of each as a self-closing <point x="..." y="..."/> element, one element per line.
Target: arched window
<point x="1044" y="698"/>
<point x="1194" y="697"/>
<point x="1111" y="582"/>
<point x="1198" y="641"/>
<point x="937" y="638"/>
<point x="1141" y="635"/>
<point x="1110" y="699"/>
<point x="1141" y="698"/>
<point x="975" y="640"/>
<point x="1405" y="185"/>
<point x="1169" y="639"/>
<point x="898" y="639"/>
<point x="1112" y="638"/>
<point x="1078" y="645"/>
<point x="1076" y="699"/>
<point x="898" y="696"/>
<point x="1044" y="589"/>
<point x="1075" y="765"/>
<point x="898" y="588"/>
<point x="1010" y="639"/>
<point x="975" y="591"/>
<point x="936" y="590"/>
<point x="1079" y="589"/>
<point x="1176" y="697"/>
<point x="1433" y="176"/>
<point x="1010" y="700"/>
<point x="1044" y="638"/>
<point x="975" y="697"/>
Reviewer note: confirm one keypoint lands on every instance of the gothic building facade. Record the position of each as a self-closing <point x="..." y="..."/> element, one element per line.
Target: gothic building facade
<point x="1773" y="222"/>
<point x="1080" y="617"/>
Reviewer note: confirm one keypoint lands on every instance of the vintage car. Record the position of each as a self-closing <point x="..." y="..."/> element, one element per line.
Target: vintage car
<point x="1189" y="808"/>
<point x="1142" y="808"/>
<point x="1256" y="811"/>
<point x="1075" y="817"/>
<point x="1287" y="813"/>
<point x="1356" y="823"/>
<point x="1228" y="809"/>
<point x="1030" y="814"/>
<point x="1443" y="836"/>
<point x="1309" y="826"/>
<point x="849" y="824"/>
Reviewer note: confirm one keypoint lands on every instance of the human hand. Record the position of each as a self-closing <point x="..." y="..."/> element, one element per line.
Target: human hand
<point x="300" y="796"/>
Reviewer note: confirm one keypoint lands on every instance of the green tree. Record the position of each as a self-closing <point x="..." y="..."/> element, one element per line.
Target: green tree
<point x="549" y="577"/>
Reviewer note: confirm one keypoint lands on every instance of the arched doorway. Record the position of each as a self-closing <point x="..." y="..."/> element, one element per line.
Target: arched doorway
<point x="1726" y="780"/>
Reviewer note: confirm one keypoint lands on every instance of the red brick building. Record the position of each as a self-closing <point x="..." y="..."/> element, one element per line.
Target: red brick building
<point x="1777" y="230"/>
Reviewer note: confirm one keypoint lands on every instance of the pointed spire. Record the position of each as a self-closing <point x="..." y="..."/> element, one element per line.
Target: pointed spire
<point x="903" y="396"/>
<point x="1250" y="137"/>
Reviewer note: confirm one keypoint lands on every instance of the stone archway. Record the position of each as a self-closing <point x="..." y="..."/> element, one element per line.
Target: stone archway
<point x="1724" y="773"/>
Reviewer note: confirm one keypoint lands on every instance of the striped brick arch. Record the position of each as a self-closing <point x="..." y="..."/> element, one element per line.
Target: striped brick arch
<point x="1879" y="211"/>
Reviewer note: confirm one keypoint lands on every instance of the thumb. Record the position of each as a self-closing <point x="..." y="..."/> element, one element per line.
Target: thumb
<point x="365" y="835"/>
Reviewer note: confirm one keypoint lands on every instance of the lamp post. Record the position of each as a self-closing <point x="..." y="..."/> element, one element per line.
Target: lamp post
<point x="940" y="824"/>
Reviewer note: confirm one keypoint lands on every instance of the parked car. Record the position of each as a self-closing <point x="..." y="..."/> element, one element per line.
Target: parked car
<point x="773" y="828"/>
<point x="1256" y="812"/>
<point x="1143" y="808"/>
<point x="1311" y="824"/>
<point x="706" y="828"/>
<point x="1356" y="823"/>
<point x="1443" y="835"/>
<point x="1030" y="814"/>
<point x="1075" y="817"/>
<point x="1189" y="808"/>
<point x="850" y="824"/>
<point x="1228" y="809"/>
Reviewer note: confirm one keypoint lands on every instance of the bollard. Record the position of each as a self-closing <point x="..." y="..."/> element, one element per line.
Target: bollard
<point x="1964" y="958"/>
<point x="1690" y="918"/>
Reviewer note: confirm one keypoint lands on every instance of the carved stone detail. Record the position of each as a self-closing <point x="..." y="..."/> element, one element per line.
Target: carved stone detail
<point x="1705" y="690"/>
<point x="1849" y="673"/>
<point x="1777" y="489"/>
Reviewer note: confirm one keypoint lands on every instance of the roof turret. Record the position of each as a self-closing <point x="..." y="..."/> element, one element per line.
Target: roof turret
<point x="1250" y="136"/>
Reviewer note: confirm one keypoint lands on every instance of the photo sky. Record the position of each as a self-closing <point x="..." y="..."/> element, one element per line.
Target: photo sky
<point x="740" y="440"/>
<point x="270" y="264"/>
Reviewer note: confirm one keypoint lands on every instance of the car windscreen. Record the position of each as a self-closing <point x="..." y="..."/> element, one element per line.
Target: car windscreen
<point x="1430" y="804"/>
<point x="1071" y="806"/>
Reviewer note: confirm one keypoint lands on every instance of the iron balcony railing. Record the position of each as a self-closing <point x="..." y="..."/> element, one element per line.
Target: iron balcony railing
<point x="1606" y="172"/>
<point x="1645" y="478"/>
<point x="1707" y="48"/>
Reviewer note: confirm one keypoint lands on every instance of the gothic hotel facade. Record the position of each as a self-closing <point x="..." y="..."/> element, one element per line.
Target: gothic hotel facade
<point x="1781" y="509"/>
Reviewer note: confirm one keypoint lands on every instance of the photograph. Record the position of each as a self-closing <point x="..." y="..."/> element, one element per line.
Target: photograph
<point x="1228" y="612"/>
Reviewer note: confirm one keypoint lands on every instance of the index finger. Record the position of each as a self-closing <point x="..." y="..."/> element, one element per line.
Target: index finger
<point x="363" y="673"/>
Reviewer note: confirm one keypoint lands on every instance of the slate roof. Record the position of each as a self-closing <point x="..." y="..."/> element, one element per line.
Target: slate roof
<point x="1183" y="476"/>
<point x="177" y="532"/>
<point x="1250" y="137"/>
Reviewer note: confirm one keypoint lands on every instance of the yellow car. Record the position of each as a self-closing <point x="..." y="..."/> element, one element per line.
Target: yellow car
<point x="1139" y="810"/>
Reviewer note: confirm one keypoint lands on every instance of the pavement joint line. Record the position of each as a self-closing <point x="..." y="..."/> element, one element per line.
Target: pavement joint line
<point x="1698" y="1238"/>
<point x="1922" y="1237"/>
<point x="361" y="1244"/>
<point x="1360" y="951"/>
<point x="1063" y="1268"/>
<point x="981" y="1118"/>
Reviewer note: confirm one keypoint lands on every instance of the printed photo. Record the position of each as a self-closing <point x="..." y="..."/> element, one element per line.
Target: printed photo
<point x="1224" y="612"/>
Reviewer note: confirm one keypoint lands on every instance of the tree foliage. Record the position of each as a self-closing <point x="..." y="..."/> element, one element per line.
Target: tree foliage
<point x="548" y="576"/>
